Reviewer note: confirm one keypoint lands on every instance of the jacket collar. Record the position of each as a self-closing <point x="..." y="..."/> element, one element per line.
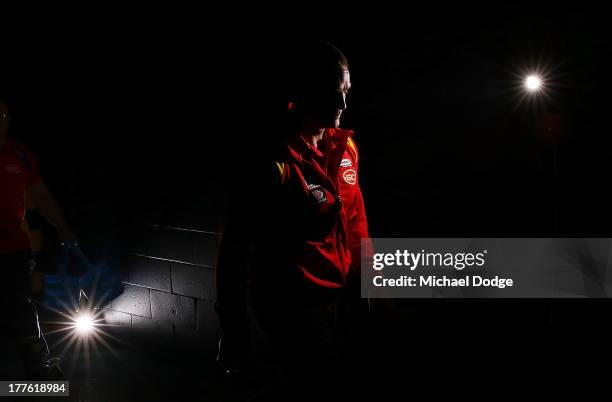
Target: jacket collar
<point x="333" y="140"/>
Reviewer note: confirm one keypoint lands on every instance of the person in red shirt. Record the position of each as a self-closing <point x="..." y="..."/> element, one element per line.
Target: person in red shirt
<point x="21" y="187"/>
<point x="300" y="231"/>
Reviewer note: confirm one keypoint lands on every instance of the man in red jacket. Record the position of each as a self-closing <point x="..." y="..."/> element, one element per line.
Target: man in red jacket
<point x="299" y="230"/>
<point x="20" y="185"/>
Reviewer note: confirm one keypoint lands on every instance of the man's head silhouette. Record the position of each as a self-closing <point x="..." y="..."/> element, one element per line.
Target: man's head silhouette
<point x="318" y="82"/>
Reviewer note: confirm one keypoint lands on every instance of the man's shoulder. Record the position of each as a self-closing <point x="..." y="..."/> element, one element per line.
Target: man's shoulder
<point x="351" y="146"/>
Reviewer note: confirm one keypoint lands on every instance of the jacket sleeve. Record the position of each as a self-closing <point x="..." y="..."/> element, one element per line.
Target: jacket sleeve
<point x="357" y="227"/>
<point x="241" y="224"/>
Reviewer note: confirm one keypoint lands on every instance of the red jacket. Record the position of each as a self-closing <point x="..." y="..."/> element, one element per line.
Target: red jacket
<point x="18" y="170"/>
<point x="321" y="187"/>
<point x="297" y="222"/>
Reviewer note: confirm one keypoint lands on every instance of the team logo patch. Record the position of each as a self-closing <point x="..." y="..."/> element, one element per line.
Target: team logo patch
<point x="12" y="168"/>
<point x="320" y="196"/>
<point x="350" y="176"/>
<point x="346" y="163"/>
<point x="318" y="193"/>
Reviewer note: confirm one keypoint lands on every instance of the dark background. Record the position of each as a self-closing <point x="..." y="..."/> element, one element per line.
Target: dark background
<point x="148" y="118"/>
<point x="449" y="148"/>
<point x="126" y="111"/>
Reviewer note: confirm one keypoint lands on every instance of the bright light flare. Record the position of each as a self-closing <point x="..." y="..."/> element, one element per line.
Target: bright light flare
<point x="84" y="324"/>
<point x="533" y="83"/>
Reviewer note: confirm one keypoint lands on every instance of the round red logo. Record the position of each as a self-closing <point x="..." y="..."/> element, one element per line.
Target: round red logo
<point x="350" y="176"/>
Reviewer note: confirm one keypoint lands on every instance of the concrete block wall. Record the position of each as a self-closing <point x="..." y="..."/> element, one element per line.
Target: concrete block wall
<point x="168" y="277"/>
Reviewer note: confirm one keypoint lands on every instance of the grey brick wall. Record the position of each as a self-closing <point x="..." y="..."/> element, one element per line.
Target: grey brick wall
<point x="169" y="292"/>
